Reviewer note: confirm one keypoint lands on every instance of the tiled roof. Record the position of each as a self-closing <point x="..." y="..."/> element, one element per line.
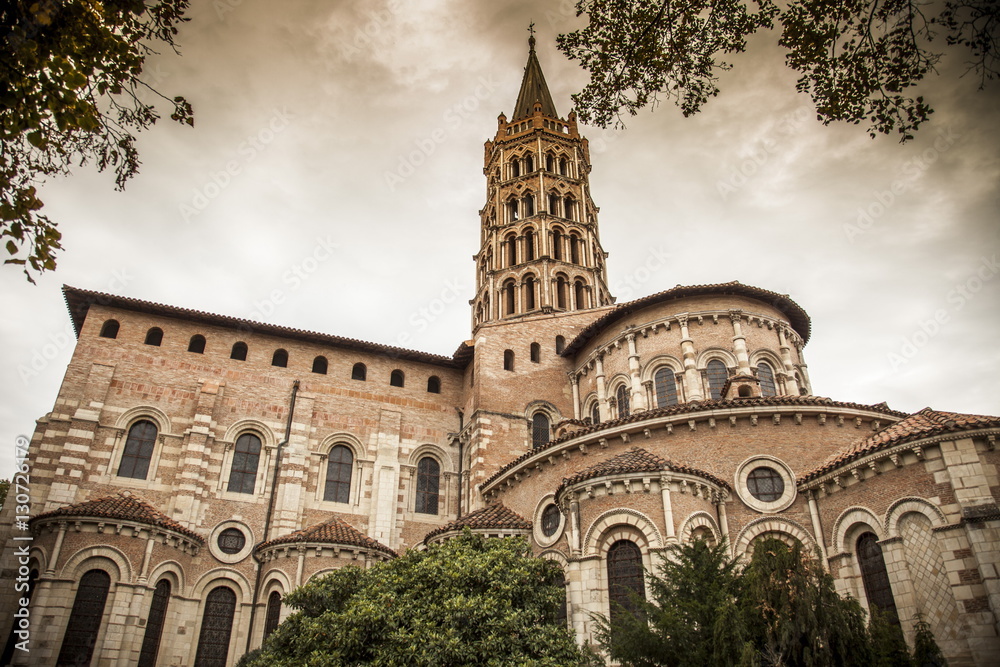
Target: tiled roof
<point x="79" y="302"/>
<point x="332" y="531"/>
<point x="693" y="407"/>
<point x="797" y="317"/>
<point x="497" y="516"/>
<point x="635" y="460"/>
<point x="919" y="425"/>
<point x="123" y="507"/>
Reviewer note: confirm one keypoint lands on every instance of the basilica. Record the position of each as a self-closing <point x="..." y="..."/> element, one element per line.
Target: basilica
<point x="197" y="467"/>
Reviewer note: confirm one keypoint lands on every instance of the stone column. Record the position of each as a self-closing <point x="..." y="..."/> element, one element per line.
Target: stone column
<point x="602" y="390"/>
<point x="739" y="343"/>
<point x="692" y="380"/>
<point x="720" y="505"/>
<point x="791" y="386"/>
<point x="817" y="526"/>
<point x="574" y="381"/>
<point x="638" y="398"/>
<point x="668" y="510"/>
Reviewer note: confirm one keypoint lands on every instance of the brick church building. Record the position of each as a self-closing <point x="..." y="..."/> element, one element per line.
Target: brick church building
<point x="195" y="467"/>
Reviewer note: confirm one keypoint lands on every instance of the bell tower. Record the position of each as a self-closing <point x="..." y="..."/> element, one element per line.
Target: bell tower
<point x="540" y="251"/>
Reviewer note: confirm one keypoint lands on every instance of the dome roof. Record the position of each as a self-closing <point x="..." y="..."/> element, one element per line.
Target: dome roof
<point x="124" y="507"/>
<point x="635" y="460"/>
<point x="494" y="517"/>
<point x="332" y="531"/>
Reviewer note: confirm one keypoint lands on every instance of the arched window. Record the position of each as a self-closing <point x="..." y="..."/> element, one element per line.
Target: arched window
<point x="560" y="344"/>
<point x="574" y="249"/>
<point x="428" y="483"/>
<point x="239" y="352"/>
<point x="550" y="162"/>
<point x="85" y="619"/>
<point x="319" y="365"/>
<point x="359" y="372"/>
<point x="339" y="466"/>
<point x="513" y="215"/>
<point x="154" y="336"/>
<point x="624" y="578"/>
<point x="138" y="452"/>
<point x="563" y="166"/>
<point x="515" y="168"/>
<point x="246" y="458"/>
<point x="717" y="376"/>
<point x="279" y="358"/>
<point x="396" y="378"/>
<point x="875" y="577"/>
<point x="508" y="360"/>
<point x="536" y="353"/>
<point x="557" y="241"/>
<point x="529" y="245"/>
<point x="666" y="387"/>
<point x="579" y="295"/>
<point x="540" y="430"/>
<point x="529" y="292"/>
<point x="434" y="384"/>
<point x="622" y="397"/>
<point x="197" y="344"/>
<point x="509" y="299"/>
<point x="273" y="617"/>
<point x="154" y="623"/>
<point x="216" y="628"/>
<point x="561" y="289"/>
<point x="529" y="164"/>
<point x="511" y="250"/>
<point x="554" y="208"/>
<point x="766" y="376"/>
<point x="569" y="208"/>
<point x="595" y="413"/>
<point x="561" y="611"/>
<point x="109" y="329"/>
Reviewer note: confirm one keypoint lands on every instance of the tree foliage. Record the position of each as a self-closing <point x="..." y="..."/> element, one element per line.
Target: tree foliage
<point x="467" y="601"/>
<point x="856" y="58"/>
<point x="72" y="92"/>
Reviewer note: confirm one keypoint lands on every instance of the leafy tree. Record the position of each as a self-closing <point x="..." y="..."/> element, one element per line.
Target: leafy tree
<point x="888" y="643"/>
<point x="856" y="58"/>
<point x="4" y="487"/>
<point x="71" y="92"/>
<point x="467" y="601"/>
<point x="926" y="652"/>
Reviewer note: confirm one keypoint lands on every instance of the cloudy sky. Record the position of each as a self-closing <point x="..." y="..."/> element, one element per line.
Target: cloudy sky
<point x="334" y="173"/>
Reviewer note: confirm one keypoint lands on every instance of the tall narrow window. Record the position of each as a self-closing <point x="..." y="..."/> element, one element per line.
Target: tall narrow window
<point x="320" y="365"/>
<point x="536" y="353"/>
<point x="109" y="329"/>
<point x="512" y="212"/>
<point x="562" y="166"/>
<point x="239" y="352"/>
<point x="550" y="162"/>
<point x="515" y="168"/>
<point x="273" y="617"/>
<point x="428" y="483"/>
<point x="622" y="397"/>
<point x="339" y="467"/>
<point x="595" y="413"/>
<point x="717" y="376"/>
<point x="624" y="578"/>
<point x="529" y="204"/>
<point x="875" y="577"/>
<point x="529" y="164"/>
<point x="557" y="241"/>
<point x="666" y="387"/>
<point x="529" y="245"/>
<point x="279" y="359"/>
<point x="154" y="623"/>
<point x="560" y="344"/>
<point x="540" y="430"/>
<point x="508" y="360"/>
<point x="434" y="384"/>
<point x="561" y="289"/>
<point x="154" y="336"/>
<point x="246" y="458"/>
<point x="569" y="208"/>
<point x="197" y="344"/>
<point x="138" y="452"/>
<point x="554" y="208"/>
<point x="359" y="372"/>
<point x="574" y="249"/>
<point x="529" y="292"/>
<point x="579" y="295"/>
<point x="511" y="250"/>
<point x="396" y="378"/>
<point x="85" y="619"/>
<point x="766" y="376"/>
<point x="509" y="300"/>
<point x="216" y="628"/>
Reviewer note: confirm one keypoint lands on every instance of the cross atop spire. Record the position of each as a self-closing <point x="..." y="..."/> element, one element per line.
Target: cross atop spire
<point x="533" y="86"/>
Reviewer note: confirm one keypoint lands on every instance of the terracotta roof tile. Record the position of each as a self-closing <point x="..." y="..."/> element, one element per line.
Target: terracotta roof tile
<point x="635" y="460"/>
<point x="921" y="424"/>
<point x="124" y="507"/>
<point x="496" y="516"/>
<point x="332" y="531"/>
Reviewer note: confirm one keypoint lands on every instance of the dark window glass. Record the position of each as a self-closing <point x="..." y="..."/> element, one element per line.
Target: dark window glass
<point x="561" y="292"/>
<point x="666" y="387"/>
<point x="529" y="209"/>
<point x="512" y="212"/>
<point x="85" y="619"/>
<point x="874" y="576"/>
<point x="13" y="639"/>
<point x="396" y="378"/>
<point x="574" y="240"/>
<point x="197" y="344"/>
<point x="536" y="352"/>
<point x="622" y="396"/>
<point x="512" y="246"/>
<point x="216" y="628"/>
<point x="280" y="359"/>
<point x="560" y="344"/>
<point x="554" y="210"/>
<point x="578" y="295"/>
<point x="138" y="450"/>
<point x="359" y="372"/>
<point x="550" y="163"/>
<point x="246" y="458"/>
<point x="509" y="294"/>
<point x="273" y="617"/>
<point x="154" y="623"/>
<point x="434" y="384"/>
<point x="154" y="336"/>
<point x="515" y="168"/>
<point x="319" y="365"/>
<point x="539" y="430"/>
<point x="557" y="237"/>
<point x="428" y="484"/>
<point x="765" y="484"/>
<point x="595" y="413"/>
<point x="508" y="360"/>
<point x="239" y="352"/>
<point x="339" y="467"/>
<point x="766" y="377"/>
<point x="529" y="293"/>
<point x="231" y="541"/>
<point x="562" y="166"/>
<point x="109" y="329"/>
<point x="624" y="577"/>
<point x="529" y="164"/>
<point x="550" y="520"/>
<point x="717" y="376"/>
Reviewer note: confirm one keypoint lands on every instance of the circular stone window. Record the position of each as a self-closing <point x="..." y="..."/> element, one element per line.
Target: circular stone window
<point x="548" y="522"/>
<point x="765" y="484"/>
<point x="551" y="518"/>
<point x="231" y="541"/>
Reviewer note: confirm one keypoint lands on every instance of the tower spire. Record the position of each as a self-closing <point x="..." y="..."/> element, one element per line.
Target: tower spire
<point x="533" y="86"/>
